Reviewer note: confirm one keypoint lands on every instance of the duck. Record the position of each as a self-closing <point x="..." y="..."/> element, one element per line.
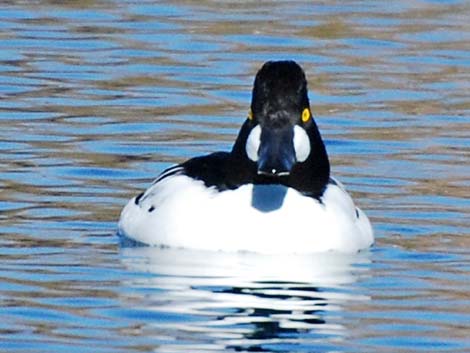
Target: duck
<point x="272" y="193"/>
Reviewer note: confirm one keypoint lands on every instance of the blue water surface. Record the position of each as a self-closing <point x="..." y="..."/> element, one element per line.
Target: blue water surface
<point x="97" y="98"/>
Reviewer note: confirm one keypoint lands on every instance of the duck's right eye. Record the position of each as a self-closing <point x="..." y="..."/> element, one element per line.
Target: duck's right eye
<point x="306" y="115"/>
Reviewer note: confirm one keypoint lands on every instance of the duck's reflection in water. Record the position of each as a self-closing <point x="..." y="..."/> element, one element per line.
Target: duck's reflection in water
<point x="244" y="301"/>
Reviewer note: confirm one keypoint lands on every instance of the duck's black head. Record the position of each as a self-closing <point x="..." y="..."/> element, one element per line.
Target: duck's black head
<point x="279" y="93"/>
<point x="280" y="137"/>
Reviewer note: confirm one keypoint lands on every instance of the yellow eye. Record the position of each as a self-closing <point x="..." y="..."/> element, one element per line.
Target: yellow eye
<point x="306" y="115"/>
<point x="250" y="115"/>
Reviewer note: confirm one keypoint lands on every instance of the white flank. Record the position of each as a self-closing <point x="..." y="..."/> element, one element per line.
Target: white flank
<point x="181" y="212"/>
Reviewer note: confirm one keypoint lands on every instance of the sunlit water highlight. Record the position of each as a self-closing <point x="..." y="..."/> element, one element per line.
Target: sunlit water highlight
<point x="98" y="97"/>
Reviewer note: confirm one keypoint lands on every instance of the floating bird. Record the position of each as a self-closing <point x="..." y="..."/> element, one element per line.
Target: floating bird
<point x="273" y="193"/>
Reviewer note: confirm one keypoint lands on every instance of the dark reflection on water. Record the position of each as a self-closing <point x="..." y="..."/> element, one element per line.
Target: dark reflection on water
<point x="98" y="97"/>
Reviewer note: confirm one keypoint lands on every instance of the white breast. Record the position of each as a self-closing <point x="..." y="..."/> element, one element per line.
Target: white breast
<point x="181" y="212"/>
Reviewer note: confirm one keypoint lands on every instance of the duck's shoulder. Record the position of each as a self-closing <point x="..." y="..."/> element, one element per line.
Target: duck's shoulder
<point x="337" y="199"/>
<point x="220" y="170"/>
<point x="335" y="192"/>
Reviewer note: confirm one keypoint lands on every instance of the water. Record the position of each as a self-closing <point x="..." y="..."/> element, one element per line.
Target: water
<point x="98" y="97"/>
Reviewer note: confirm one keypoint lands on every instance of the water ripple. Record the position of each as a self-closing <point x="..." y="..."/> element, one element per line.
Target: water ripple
<point x="98" y="97"/>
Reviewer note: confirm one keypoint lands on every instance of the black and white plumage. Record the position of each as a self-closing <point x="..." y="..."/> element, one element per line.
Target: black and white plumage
<point x="272" y="193"/>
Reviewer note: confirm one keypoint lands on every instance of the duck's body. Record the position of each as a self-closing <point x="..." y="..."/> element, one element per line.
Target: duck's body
<point x="182" y="212"/>
<point x="271" y="194"/>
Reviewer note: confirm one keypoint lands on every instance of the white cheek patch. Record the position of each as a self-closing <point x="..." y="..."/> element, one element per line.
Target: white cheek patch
<point x="301" y="144"/>
<point x="252" y="143"/>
